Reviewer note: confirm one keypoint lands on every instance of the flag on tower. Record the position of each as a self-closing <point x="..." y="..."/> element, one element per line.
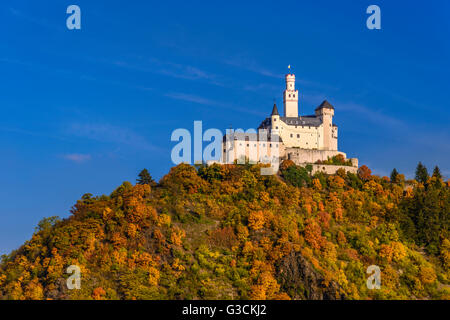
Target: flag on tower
<point x="289" y="67"/>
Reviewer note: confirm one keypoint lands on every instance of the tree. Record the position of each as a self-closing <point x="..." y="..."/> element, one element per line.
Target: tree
<point x="394" y="176"/>
<point x="145" y="178"/>
<point x="297" y="176"/>
<point x="364" y="172"/>
<point x="437" y="173"/>
<point x="47" y="223"/>
<point x="286" y="164"/>
<point x="421" y="173"/>
<point x="210" y="173"/>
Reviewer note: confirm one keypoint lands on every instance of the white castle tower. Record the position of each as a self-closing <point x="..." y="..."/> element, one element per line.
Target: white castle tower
<point x="290" y="97"/>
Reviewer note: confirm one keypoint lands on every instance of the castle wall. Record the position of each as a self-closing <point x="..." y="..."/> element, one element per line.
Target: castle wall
<point x="334" y="137"/>
<point x="331" y="169"/>
<point x="300" y="156"/>
<point x="254" y="151"/>
<point x="305" y="137"/>
<point x="328" y="130"/>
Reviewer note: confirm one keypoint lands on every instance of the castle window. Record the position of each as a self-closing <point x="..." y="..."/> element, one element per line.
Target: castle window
<point x="298" y="136"/>
<point x="276" y="127"/>
<point x="292" y="135"/>
<point x="276" y="145"/>
<point x="248" y="145"/>
<point x="271" y="145"/>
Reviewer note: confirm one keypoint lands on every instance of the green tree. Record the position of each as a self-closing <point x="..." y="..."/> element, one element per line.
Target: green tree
<point x="421" y="173"/>
<point x="47" y="223"/>
<point x="297" y="176"/>
<point x="394" y="176"/>
<point x="437" y="173"/>
<point x="145" y="178"/>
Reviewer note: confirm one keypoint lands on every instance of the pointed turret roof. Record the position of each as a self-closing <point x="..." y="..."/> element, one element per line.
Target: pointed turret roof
<point x="275" y="110"/>
<point x="325" y="105"/>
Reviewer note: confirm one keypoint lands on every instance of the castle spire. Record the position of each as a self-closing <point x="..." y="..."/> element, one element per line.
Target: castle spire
<point x="275" y="110"/>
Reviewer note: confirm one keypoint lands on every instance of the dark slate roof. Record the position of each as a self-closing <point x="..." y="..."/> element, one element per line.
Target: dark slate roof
<point x="265" y="123"/>
<point x="311" y="121"/>
<point x="308" y="121"/>
<point x="243" y="136"/>
<point x="275" y="110"/>
<point x="325" y="104"/>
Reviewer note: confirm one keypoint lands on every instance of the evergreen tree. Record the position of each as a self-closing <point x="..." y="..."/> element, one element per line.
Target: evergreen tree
<point x="421" y="173"/>
<point x="145" y="178"/>
<point x="394" y="176"/>
<point x="437" y="173"/>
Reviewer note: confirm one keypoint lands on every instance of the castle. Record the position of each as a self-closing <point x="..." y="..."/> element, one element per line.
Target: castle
<point x="309" y="139"/>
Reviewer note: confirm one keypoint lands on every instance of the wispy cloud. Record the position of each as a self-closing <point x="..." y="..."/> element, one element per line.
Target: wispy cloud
<point x="77" y="157"/>
<point x="263" y="87"/>
<point x="107" y="133"/>
<point x="373" y="115"/>
<point x="253" y="66"/>
<point x="212" y="103"/>
<point x="170" y="69"/>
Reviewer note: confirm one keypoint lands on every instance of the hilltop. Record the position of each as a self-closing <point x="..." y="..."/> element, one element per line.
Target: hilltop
<point x="226" y="232"/>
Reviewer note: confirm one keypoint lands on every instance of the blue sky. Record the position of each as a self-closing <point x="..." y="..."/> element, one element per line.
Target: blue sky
<point x="82" y="111"/>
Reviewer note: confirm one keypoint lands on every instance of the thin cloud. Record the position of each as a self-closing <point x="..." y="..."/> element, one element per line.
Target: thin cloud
<point x="262" y="87"/>
<point x="210" y="103"/>
<point x="77" y="157"/>
<point x="371" y="114"/>
<point x="252" y="66"/>
<point x="106" y="133"/>
<point x="170" y="69"/>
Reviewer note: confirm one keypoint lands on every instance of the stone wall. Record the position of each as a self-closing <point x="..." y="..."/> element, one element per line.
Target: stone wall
<point x="300" y="156"/>
<point x="331" y="169"/>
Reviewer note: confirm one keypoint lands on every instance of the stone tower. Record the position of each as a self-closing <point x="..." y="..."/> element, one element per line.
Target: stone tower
<point x="290" y="98"/>
<point x="326" y="112"/>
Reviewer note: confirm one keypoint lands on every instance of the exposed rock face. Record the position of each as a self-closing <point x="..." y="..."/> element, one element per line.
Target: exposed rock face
<point x="299" y="279"/>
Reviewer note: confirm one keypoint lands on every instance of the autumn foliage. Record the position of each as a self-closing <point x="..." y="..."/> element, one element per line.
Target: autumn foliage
<point x="226" y="232"/>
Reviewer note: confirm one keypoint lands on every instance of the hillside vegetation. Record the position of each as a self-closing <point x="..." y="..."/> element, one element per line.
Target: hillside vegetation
<point x="226" y="232"/>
